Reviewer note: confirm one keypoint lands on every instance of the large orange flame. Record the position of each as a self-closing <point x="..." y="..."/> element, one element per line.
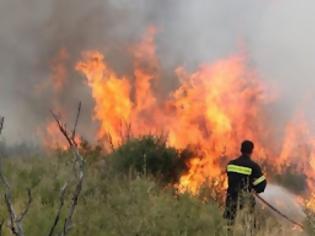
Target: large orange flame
<point x="212" y="110"/>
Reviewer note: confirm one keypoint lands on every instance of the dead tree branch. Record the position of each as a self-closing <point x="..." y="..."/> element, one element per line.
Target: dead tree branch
<point x="27" y="207"/>
<point x="78" y="172"/>
<point x="8" y="201"/>
<point x="76" y="193"/>
<point x="15" y="220"/>
<point x="61" y="204"/>
<point x="63" y="129"/>
<point x="76" y="122"/>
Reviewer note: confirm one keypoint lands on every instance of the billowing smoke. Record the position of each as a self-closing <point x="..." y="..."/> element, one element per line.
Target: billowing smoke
<point x="276" y="35"/>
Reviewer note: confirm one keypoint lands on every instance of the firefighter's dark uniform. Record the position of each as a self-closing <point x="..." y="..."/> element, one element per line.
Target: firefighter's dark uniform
<point x="244" y="175"/>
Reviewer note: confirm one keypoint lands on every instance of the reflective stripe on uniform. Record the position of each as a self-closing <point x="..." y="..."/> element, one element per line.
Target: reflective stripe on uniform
<point x="239" y="169"/>
<point x="259" y="180"/>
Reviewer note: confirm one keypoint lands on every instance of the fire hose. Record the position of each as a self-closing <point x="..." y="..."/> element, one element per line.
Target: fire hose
<point x="279" y="212"/>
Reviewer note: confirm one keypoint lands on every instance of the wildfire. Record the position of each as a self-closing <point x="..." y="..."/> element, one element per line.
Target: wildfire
<point x="60" y="72"/>
<point x="212" y="109"/>
<point x="52" y="138"/>
<point x="58" y="77"/>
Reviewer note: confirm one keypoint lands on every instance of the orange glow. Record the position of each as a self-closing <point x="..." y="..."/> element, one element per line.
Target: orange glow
<point x="145" y="71"/>
<point x="59" y="70"/>
<point x="52" y="138"/>
<point x="211" y="111"/>
<point x="59" y="74"/>
<point x="113" y="106"/>
<point x="50" y="134"/>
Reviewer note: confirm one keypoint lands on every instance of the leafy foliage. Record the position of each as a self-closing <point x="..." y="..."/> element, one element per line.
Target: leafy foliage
<point x="115" y="203"/>
<point x="149" y="155"/>
<point x="109" y="204"/>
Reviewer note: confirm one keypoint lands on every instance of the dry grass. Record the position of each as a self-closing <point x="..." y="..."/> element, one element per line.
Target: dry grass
<point x="123" y="203"/>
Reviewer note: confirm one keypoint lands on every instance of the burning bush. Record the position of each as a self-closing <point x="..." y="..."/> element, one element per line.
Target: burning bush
<point x="214" y="106"/>
<point x="149" y="155"/>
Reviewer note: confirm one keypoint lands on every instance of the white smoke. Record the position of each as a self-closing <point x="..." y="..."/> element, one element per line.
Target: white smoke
<point x="285" y="202"/>
<point x="277" y="35"/>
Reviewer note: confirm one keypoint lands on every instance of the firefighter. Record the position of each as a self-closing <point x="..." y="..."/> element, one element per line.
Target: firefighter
<point x="244" y="177"/>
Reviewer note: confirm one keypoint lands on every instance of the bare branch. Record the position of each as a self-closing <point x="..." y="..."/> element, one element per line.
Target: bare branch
<point x="14" y="228"/>
<point x="8" y="195"/>
<point x="15" y="222"/>
<point x="78" y="172"/>
<point x="75" y="196"/>
<point x="62" y="128"/>
<point x="61" y="204"/>
<point x="76" y="122"/>
<point x="27" y="207"/>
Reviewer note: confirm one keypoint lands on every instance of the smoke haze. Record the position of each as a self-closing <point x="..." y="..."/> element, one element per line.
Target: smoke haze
<point x="288" y="204"/>
<point x="276" y="35"/>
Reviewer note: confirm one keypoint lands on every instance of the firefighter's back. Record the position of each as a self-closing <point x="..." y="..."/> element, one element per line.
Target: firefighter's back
<point x="244" y="175"/>
<point x="240" y="174"/>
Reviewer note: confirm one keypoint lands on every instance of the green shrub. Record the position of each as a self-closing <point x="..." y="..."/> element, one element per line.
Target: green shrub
<point x="117" y="204"/>
<point x="109" y="204"/>
<point x="149" y="155"/>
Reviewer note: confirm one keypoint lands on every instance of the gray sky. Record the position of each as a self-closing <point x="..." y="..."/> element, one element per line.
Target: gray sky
<point x="277" y="34"/>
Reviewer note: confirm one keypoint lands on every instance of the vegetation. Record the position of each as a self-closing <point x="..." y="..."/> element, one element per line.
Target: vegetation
<point x="149" y="155"/>
<point x="292" y="179"/>
<point x="109" y="205"/>
<point x="123" y="194"/>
